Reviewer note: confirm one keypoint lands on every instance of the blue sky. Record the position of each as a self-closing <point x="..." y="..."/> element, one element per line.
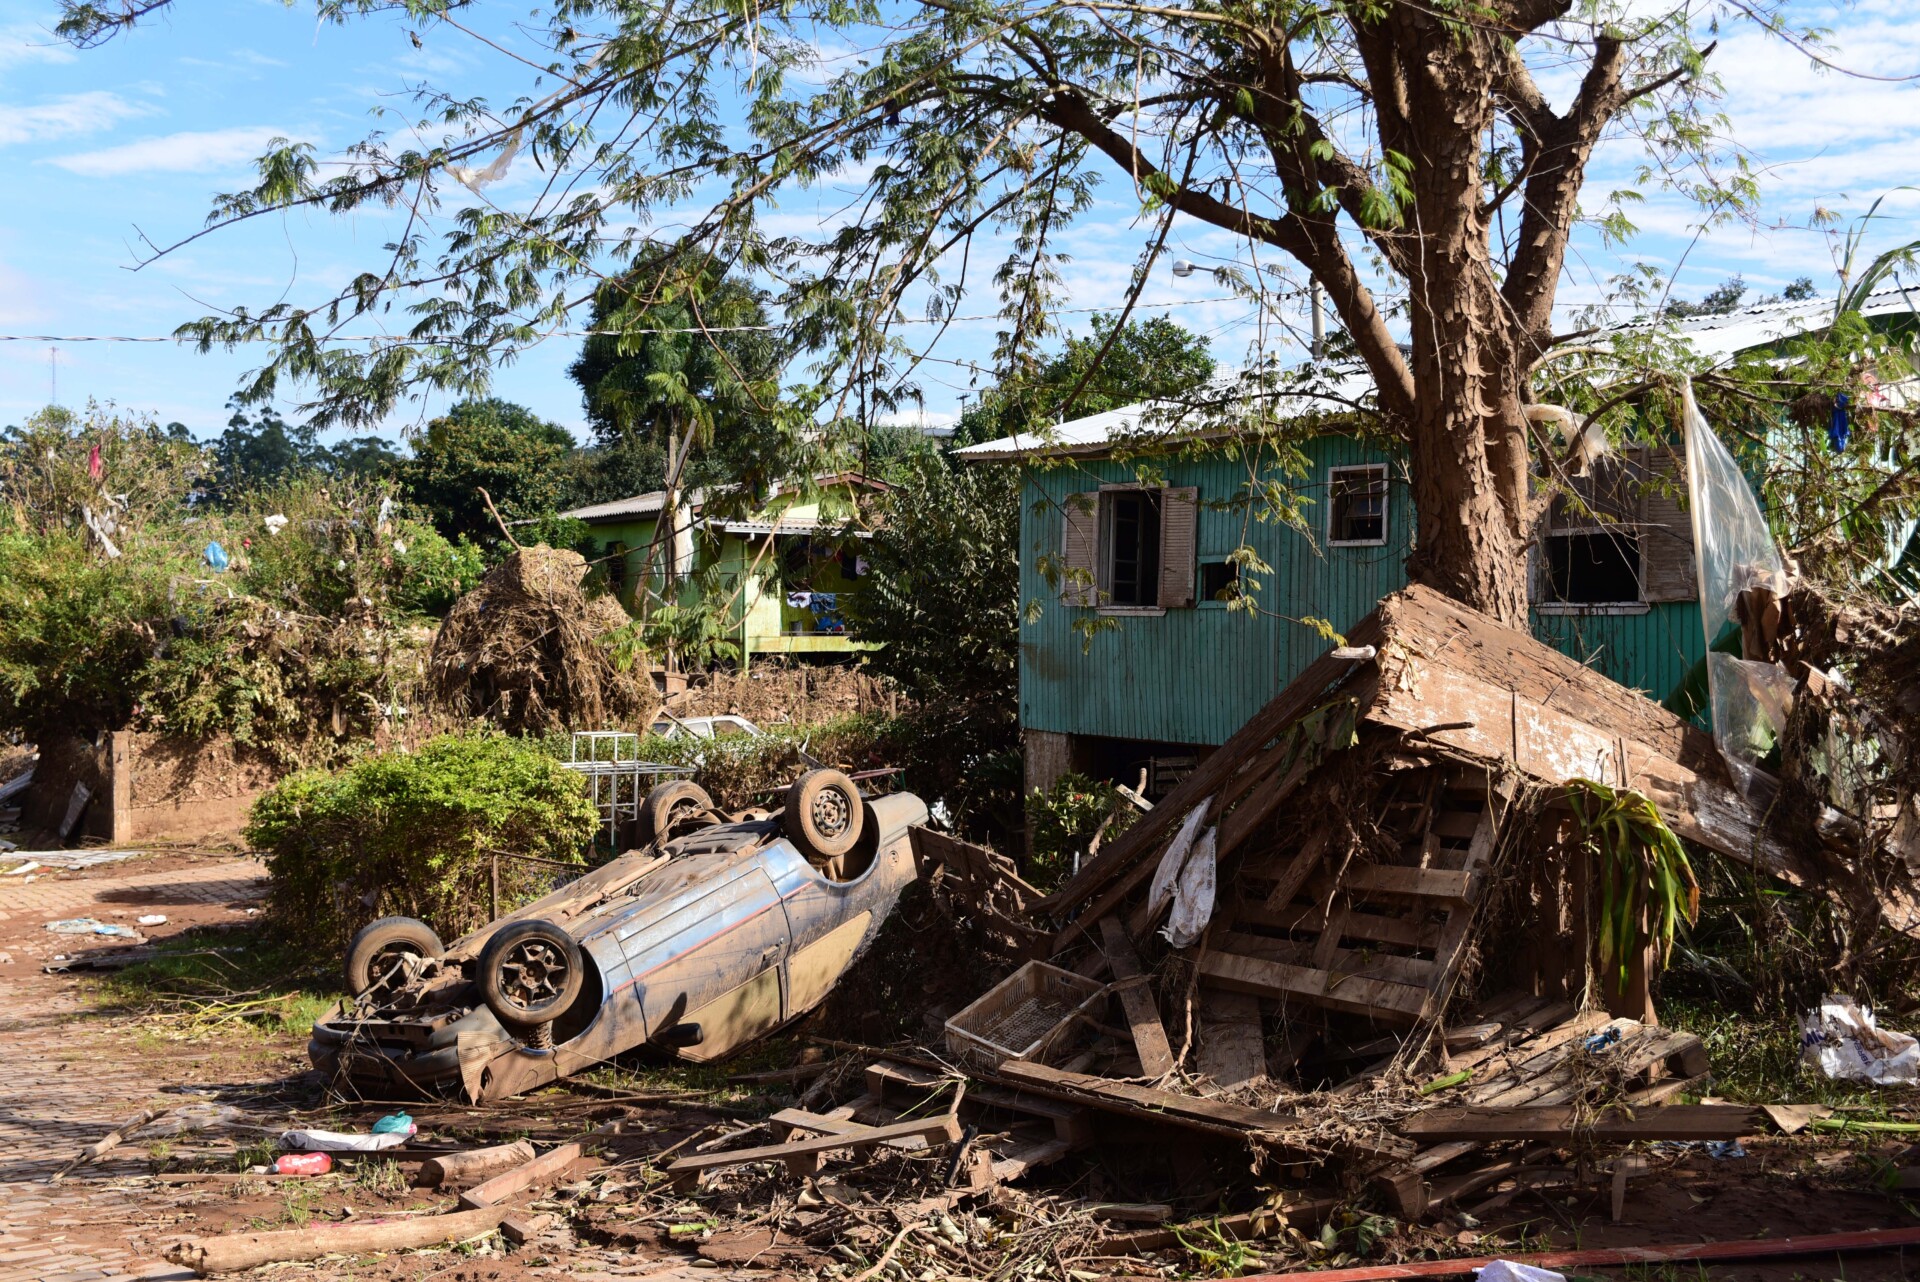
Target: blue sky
<point x="105" y="147"/>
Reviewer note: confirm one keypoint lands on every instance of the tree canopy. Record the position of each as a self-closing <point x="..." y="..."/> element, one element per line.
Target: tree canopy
<point x="519" y="458"/>
<point x="1407" y="156"/>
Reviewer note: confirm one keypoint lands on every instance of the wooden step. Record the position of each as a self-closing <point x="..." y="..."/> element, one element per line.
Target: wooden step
<point x="1397" y="1003"/>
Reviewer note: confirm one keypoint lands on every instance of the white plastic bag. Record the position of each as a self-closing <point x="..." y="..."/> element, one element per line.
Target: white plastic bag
<point x="1175" y="859"/>
<point x="1510" y="1271"/>
<point x="1193" y="894"/>
<point x="1840" y="1041"/>
<point x="1734" y="551"/>
<point x="341" y="1141"/>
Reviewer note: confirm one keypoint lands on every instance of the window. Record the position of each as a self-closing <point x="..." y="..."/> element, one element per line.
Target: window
<point x="1130" y="548"/>
<point x="1219" y="580"/>
<point x="1357" y="506"/>
<point x="1131" y="560"/>
<point x="1591" y="553"/>
<point x="617" y="569"/>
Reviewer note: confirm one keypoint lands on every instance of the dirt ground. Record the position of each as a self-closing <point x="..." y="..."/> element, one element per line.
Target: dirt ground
<point x="75" y="1068"/>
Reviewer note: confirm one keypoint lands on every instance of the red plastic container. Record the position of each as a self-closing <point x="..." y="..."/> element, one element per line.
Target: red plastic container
<point x="304" y="1164"/>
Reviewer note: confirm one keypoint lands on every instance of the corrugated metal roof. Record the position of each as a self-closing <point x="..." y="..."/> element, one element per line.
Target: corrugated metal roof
<point x="1717" y="338"/>
<point x="1156" y="422"/>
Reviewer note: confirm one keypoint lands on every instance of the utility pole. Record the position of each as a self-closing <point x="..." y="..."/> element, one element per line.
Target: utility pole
<point x="1319" y="325"/>
<point x="53" y="376"/>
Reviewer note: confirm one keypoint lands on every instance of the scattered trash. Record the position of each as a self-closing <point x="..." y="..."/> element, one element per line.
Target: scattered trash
<point x="88" y="926"/>
<point x="1841" y="1041"/>
<point x="1725" y="1150"/>
<point x="1510" y="1271"/>
<point x="1600" y="1041"/>
<point x="394" y="1124"/>
<point x="303" y="1164"/>
<point x="6" y="959"/>
<point x="1794" y="1118"/>
<point x="275" y="523"/>
<point x="74" y="860"/>
<point x="27" y="867"/>
<point x="152" y="919"/>
<point x="207" y="1115"/>
<point x="341" y="1141"/>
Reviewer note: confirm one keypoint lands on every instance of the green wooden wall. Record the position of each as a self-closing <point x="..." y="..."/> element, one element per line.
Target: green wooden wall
<point x="1196" y="675"/>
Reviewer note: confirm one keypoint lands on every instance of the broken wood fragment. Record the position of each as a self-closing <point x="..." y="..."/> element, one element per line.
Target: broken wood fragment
<point x="1136" y="999"/>
<point x="474" y="1164"/>
<point x="542" y="1169"/>
<point x="234" y="1252"/>
<point x="1561" y="1121"/>
<point x="946" y="1129"/>
<point x="110" y="1141"/>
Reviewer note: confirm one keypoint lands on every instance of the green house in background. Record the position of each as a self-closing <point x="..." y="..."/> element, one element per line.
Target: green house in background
<point x="1169" y="670"/>
<point x="782" y="568"/>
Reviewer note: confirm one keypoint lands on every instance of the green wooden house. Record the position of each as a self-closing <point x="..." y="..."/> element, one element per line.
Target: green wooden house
<point x="782" y="567"/>
<point x="1168" y="669"/>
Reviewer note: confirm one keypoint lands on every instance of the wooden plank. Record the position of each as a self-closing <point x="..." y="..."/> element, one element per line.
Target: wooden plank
<point x="542" y="1169"/>
<point x="794" y="1119"/>
<point x="1217" y="1117"/>
<point x="1395" y="879"/>
<point x="1295" y="875"/>
<point x="1276" y="980"/>
<point x="945" y="1129"/>
<point x="1302" y="694"/>
<point x="1136" y="1000"/>
<point x="1360" y="925"/>
<point x="1559" y="1122"/>
<point x="1451" y="951"/>
<point x="911" y="1086"/>
<point x="1233" y="1044"/>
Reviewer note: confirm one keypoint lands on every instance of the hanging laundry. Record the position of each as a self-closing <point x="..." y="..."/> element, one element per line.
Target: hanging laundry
<point x="96" y="466"/>
<point x="799" y="600"/>
<point x="861" y="567"/>
<point x="1840" y="430"/>
<point x="216" y="556"/>
<point x="825" y="601"/>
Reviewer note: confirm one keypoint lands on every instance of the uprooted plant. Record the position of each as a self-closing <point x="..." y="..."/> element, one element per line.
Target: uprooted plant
<point x="1646" y="880"/>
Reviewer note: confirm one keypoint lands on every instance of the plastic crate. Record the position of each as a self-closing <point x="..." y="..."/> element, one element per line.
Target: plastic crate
<point x="1032" y="1014"/>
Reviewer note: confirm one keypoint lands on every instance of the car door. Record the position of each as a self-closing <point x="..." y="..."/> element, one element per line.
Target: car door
<point x="705" y="957"/>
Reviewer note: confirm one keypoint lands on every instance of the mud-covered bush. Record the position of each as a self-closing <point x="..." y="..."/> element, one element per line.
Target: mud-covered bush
<point x="414" y="834"/>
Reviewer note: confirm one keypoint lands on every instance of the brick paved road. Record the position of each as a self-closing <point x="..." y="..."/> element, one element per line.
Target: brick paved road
<point x="69" y="1079"/>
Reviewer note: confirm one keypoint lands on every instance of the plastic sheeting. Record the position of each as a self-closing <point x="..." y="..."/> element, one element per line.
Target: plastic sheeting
<point x="1734" y="551"/>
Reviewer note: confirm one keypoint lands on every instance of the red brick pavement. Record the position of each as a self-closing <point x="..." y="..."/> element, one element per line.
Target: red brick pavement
<point x="68" y="1080"/>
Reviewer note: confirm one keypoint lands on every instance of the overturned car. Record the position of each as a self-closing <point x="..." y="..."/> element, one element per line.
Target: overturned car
<point x="719" y="931"/>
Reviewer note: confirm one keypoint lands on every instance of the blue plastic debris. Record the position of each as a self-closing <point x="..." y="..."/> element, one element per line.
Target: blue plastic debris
<point x="216" y="557"/>
<point x="394" y="1124"/>
<point x="1601" y="1040"/>
<point x="1840" y="430"/>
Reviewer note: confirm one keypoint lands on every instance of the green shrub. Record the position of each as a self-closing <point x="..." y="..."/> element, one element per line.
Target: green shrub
<point x="1063" y="821"/>
<point x="414" y="833"/>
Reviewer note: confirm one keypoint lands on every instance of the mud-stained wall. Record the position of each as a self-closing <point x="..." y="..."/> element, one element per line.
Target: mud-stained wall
<point x="146" y="788"/>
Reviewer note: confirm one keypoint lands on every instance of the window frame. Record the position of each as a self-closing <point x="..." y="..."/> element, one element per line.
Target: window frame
<point x="1593" y="527"/>
<point x="1386" y="504"/>
<point x="1103" y="602"/>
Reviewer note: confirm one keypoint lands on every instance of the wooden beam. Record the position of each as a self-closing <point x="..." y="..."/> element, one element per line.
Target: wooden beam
<point x="1558" y="1121"/>
<point x="542" y="1169"/>
<point x="1233" y="1044"/>
<point x="1302" y="694"/>
<point x="944" y="1129"/>
<point x="1400" y="1003"/>
<point x="1136" y="1000"/>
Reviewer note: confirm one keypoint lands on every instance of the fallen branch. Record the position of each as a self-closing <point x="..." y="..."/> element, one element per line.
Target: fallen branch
<point x="237" y="1251"/>
<point x="886" y="1256"/>
<point x="108" y="1142"/>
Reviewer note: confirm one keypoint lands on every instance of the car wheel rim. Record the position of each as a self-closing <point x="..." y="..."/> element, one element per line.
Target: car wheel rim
<point x="389" y="965"/>
<point x="831" y="812"/>
<point x="533" y="974"/>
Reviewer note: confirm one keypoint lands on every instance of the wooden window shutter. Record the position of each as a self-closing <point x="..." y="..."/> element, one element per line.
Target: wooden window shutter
<point x="1666" y="532"/>
<point x="1079" y="547"/>
<point x="1179" y="539"/>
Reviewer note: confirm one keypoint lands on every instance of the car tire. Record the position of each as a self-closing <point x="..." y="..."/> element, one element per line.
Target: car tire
<point x="669" y="804"/>
<point x="530" y="972"/>
<point x="374" y="950"/>
<point x="824" y="814"/>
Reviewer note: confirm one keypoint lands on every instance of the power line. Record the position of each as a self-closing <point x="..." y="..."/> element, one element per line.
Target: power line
<point x="587" y="333"/>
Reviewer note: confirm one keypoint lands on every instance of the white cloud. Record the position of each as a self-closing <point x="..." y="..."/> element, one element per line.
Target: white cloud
<point x="62" y="117"/>
<point x="194" y="151"/>
<point x="24" y="42"/>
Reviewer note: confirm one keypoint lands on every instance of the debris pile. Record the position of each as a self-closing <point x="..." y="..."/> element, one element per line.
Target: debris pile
<point x="526" y="650"/>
